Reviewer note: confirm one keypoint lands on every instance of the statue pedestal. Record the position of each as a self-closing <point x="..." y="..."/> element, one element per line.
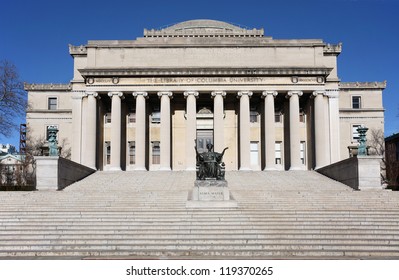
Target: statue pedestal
<point x="210" y="194"/>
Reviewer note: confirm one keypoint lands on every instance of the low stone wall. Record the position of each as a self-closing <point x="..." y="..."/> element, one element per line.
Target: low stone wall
<point x="56" y="173"/>
<point x="359" y="172"/>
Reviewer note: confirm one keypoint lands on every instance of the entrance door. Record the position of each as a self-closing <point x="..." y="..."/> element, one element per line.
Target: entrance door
<point x="204" y="137"/>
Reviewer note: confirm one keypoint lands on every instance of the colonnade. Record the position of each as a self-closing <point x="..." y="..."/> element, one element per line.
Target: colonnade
<point x="89" y="135"/>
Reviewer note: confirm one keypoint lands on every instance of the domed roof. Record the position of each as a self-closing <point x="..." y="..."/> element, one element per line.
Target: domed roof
<point x="203" y="24"/>
<point x="203" y="28"/>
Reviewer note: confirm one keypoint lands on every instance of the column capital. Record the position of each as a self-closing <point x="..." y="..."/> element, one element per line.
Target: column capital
<point x="317" y="92"/>
<point x="294" y="92"/>
<point x="118" y="93"/>
<point x="244" y="92"/>
<point x="91" y="93"/>
<point x="141" y="93"/>
<point x="167" y="93"/>
<point x="220" y="92"/>
<point x="191" y="92"/>
<point x="273" y="93"/>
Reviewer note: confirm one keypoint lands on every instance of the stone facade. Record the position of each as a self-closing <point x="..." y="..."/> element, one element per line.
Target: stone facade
<point x="140" y="104"/>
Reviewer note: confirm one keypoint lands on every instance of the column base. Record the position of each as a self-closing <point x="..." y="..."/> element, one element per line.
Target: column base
<point x="296" y="168"/>
<point x="140" y="168"/>
<point x="245" y="169"/>
<point x="165" y="169"/>
<point x="270" y="169"/>
<point x="112" y="168"/>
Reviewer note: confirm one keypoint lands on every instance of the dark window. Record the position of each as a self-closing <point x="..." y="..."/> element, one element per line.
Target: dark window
<point x="397" y="150"/>
<point x="132" y="152"/>
<point x="277" y="117"/>
<point x="52" y="103"/>
<point x="107" y="118"/>
<point x="356" y="102"/>
<point x="253" y="116"/>
<point x="108" y="152"/>
<point x="156" y="152"/>
<point x="132" y="118"/>
<point x="47" y="134"/>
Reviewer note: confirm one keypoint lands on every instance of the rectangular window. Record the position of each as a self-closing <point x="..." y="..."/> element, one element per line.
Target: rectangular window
<point x="302" y="117"/>
<point x="107" y="118"/>
<point x="156" y="117"/>
<point x="277" y="148"/>
<point x="132" y="152"/>
<point x="107" y="152"/>
<point x="303" y="150"/>
<point x="52" y="103"/>
<point x="156" y="152"/>
<point x="277" y="117"/>
<point x="356" y="102"/>
<point x="131" y="118"/>
<point x="253" y="117"/>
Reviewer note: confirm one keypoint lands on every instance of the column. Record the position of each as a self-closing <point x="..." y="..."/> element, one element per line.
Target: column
<point x="140" y="129"/>
<point x="218" y="120"/>
<point x="295" y="148"/>
<point x="116" y="112"/>
<point x="245" y="130"/>
<point x="191" y="128"/>
<point x="76" y="126"/>
<point x="320" y="129"/>
<point x="165" y="144"/>
<point x="270" y="130"/>
<point x="333" y="106"/>
<point x="90" y="140"/>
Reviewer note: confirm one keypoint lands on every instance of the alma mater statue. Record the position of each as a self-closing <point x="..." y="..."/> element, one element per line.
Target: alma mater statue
<point x="209" y="164"/>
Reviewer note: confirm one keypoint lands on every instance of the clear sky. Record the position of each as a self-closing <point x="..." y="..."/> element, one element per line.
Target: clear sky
<point x="34" y="35"/>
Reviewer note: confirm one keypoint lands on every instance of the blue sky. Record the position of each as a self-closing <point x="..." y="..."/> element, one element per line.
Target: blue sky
<point x="34" y="35"/>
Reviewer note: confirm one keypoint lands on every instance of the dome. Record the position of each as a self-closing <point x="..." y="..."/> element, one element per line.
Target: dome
<point x="203" y="28"/>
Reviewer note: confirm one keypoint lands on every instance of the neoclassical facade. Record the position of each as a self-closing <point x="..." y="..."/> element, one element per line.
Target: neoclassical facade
<point x="140" y="104"/>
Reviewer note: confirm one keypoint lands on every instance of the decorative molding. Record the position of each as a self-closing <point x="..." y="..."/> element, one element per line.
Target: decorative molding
<point x="317" y="92"/>
<point x="363" y="85"/>
<point x="49" y="87"/>
<point x="332" y="93"/>
<point x="317" y="71"/>
<point x="77" y="50"/>
<point x="332" y="49"/>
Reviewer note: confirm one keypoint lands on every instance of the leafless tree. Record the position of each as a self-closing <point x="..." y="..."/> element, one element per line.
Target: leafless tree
<point x="12" y="98"/>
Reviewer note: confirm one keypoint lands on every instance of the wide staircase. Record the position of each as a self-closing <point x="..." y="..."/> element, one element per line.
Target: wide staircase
<point x="134" y="215"/>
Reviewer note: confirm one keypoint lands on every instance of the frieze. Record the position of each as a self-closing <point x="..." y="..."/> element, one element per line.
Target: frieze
<point x="206" y="81"/>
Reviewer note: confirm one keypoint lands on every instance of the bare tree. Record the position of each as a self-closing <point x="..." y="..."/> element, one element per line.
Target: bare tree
<point x="12" y="98"/>
<point x="376" y="143"/>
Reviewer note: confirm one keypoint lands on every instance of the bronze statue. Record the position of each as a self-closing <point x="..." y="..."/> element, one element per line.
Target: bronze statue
<point x="209" y="164"/>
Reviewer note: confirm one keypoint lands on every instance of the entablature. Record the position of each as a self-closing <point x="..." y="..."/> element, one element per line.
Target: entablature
<point x="187" y="72"/>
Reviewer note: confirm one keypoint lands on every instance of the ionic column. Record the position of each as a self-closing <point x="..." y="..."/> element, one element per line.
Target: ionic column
<point x="90" y="139"/>
<point x="295" y="145"/>
<point x="140" y="129"/>
<point x="77" y="126"/>
<point x="320" y="129"/>
<point x="116" y="112"/>
<point x="191" y="128"/>
<point x="165" y="144"/>
<point x="218" y="120"/>
<point x="270" y="133"/>
<point x="245" y="130"/>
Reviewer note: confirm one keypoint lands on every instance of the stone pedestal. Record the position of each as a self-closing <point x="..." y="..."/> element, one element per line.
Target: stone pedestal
<point x="210" y="194"/>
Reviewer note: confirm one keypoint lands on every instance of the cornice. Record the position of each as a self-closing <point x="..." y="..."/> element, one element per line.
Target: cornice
<point x="283" y="71"/>
<point x="330" y="49"/>
<point x="48" y="87"/>
<point x="363" y="85"/>
<point x="77" y="50"/>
